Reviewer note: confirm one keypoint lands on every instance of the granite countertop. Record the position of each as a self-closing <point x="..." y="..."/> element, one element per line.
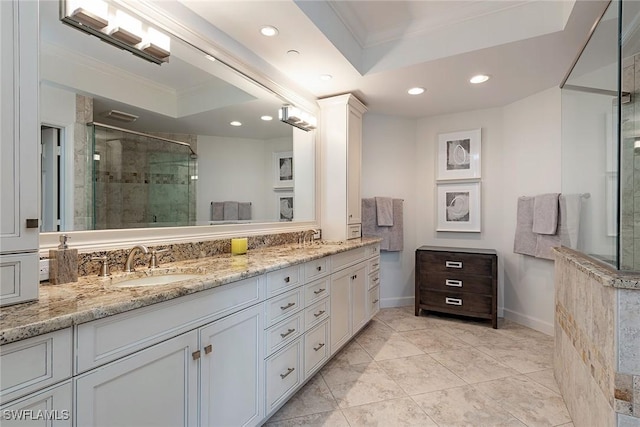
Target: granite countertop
<point x="603" y="273"/>
<point x="92" y="297"/>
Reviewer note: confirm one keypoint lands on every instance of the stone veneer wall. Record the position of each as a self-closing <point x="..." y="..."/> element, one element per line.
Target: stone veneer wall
<point x="83" y="156"/>
<point x="597" y="342"/>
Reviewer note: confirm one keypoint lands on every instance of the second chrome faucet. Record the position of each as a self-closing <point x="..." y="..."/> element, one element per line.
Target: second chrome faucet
<point x="129" y="264"/>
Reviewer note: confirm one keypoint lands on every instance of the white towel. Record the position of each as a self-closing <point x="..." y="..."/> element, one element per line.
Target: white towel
<point x="525" y="240"/>
<point x="545" y="213"/>
<point x="230" y="211"/>
<point x="384" y="211"/>
<point x="569" y="222"/>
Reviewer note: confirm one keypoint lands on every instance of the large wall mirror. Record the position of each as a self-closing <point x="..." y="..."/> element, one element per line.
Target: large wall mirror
<point x="130" y="144"/>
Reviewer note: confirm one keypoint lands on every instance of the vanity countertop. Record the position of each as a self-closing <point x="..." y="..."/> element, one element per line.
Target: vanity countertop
<point x="92" y="297"/>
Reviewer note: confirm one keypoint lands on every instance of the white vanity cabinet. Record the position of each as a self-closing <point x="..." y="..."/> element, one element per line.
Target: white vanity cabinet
<point x="51" y="407"/>
<point x="341" y="136"/>
<point x="19" y="127"/>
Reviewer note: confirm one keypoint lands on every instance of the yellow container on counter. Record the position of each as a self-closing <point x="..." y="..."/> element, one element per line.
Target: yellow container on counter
<point x="239" y="246"/>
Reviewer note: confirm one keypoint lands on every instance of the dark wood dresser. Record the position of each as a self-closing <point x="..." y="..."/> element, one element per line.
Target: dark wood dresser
<point x="457" y="281"/>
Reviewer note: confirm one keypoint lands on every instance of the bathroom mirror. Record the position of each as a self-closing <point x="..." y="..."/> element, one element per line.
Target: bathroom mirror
<point x="127" y="143"/>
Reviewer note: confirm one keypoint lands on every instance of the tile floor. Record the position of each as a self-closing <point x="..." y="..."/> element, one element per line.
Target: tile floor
<point x="403" y="370"/>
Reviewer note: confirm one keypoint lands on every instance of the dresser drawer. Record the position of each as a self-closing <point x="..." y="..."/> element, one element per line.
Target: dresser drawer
<point x="316" y="313"/>
<point x="316" y="347"/>
<point x="283" y="306"/>
<point x="283" y="374"/>
<point x="315" y="291"/>
<point x="282" y="280"/>
<point x="373" y="301"/>
<point x="457" y="302"/>
<point x="317" y="268"/>
<point x="374" y="264"/>
<point x="374" y="279"/>
<point x="455" y="262"/>
<point x="284" y="332"/>
<point x="457" y="282"/>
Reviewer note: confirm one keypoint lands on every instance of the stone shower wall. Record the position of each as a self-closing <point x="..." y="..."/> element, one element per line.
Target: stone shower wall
<point x="83" y="156"/>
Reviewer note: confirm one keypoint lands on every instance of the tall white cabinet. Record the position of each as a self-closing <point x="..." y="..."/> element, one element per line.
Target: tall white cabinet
<point x="19" y="126"/>
<point x="341" y="141"/>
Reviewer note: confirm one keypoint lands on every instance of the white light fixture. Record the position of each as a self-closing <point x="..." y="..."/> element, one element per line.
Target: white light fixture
<point x="269" y="31"/>
<point x="235" y="123"/>
<point x="480" y="78"/>
<point x="326" y="77"/>
<point x="114" y="26"/>
<point x="298" y="118"/>
<point x="266" y="118"/>
<point x="416" y="91"/>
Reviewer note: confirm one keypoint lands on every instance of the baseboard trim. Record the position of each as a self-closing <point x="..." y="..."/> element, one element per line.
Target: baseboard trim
<point x="531" y="322"/>
<point x="396" y="302"/>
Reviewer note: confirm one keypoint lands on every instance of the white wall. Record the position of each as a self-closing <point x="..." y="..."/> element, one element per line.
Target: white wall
<point x="520" y="156"/>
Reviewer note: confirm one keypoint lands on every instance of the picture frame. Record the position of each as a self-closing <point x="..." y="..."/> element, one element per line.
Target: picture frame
<point x="459" y="155"/>
<point x="285" y="206"/>
<point x="283" y="169"/>
<point x="459" y="207"/>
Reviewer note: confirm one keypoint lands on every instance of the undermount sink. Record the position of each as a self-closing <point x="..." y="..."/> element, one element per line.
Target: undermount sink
<point x="164" y="279"/>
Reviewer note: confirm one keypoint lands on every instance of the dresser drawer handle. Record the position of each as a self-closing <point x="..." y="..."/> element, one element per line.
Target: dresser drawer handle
<point x="453" y="301"/>
<point x="320" y="345"/>
<point x="291" y="304"/>
<point x="453" y="264"/>
<point x="289" y="332"/>
<point x="286" y="374"/>
<point x="454" y="283"/>
<point x="320" y="313"/>
<point x="319" y="291"/>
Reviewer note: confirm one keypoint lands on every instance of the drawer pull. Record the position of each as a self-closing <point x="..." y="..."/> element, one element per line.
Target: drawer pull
<point x="208" y="349"/>
<point x="291" y="304"/>
<point x="375" y="266"/>
<point x="453" y="301"/>
<point x="320" y="345"/>
<point x="319" y="268"/>
<point x="319" y="291"/>
<point x="375" y="301"/>
<point x="453" y="264"/>
<point x="454" y="283"/>
<point x="196" y="355"/>
<point x="354" y="277"/>
<point x="376" y="280"/>
<point x="320" y="313"/>
<point x="289" y="332"/>
<point x="286" y="374"/>
<point x="287" y="279"/>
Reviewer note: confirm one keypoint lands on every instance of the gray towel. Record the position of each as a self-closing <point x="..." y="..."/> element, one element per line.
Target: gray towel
<point x="545" y="213"/>
<point x="544" y="245"/>
<point x="525" y="240"/>
<point x="392" y="237"/>
<point x="217" y="211"/>
<point x="569" y="222"/>
<point x="244" y="210"/>
<point x="230" y="211"/>
<point x="384" y="211"/>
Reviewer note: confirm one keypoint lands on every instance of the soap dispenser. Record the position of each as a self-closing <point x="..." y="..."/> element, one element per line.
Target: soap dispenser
<point x="63" y="263"/>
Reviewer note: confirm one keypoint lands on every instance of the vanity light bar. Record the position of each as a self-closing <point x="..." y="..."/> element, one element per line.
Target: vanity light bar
<point x="116" y="27"/>
<point x="298" y="118"/>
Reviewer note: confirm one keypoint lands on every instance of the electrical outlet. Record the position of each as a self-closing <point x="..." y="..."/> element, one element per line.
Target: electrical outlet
<point x="317" y="235"/>
<point x="44" y="269"/>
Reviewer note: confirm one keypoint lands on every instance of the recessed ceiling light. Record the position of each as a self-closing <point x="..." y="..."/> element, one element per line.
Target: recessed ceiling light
<point x="480" y="78"/>
<point x="416" y="91"/>
<point x="269" y="31"/>
<point x="235" y="123"/>
<point x="210" y="58"/>
<point x="266" y="118"/>
<point x="326" y="77"/>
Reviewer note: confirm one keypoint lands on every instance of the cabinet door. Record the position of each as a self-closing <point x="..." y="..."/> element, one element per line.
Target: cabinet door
<point x="19" y="125"/>
<point x="232" y="392"/>
<point x="354" y="160"/>
<point x="359" y="309"/>
<point x="157" y="386"/>
<point x="47" y="408"/>
<point x="340" y="309"/>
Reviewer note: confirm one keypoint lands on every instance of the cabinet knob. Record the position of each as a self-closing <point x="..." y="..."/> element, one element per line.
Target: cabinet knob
<point x="319" y="268"/>
<point x="196" y="355"/>
<point x="287" y="279"/>
<point x="208" y="349"/>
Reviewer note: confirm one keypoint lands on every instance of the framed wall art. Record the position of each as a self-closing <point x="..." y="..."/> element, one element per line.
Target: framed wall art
<point x="459" y="155"/>
<point x="285" y="206"/>
<point x="283" y="169"/>
<point x="459" y="207"/>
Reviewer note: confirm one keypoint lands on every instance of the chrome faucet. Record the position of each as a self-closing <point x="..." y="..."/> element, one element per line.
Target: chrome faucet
<point x="308" y="235"/>
<point x="128" y="266"/>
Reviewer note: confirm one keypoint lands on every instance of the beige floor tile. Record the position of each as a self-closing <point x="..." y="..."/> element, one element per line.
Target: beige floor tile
<point x="399" y="319"/>
<point x="396" y="413"/>
<point x="545" y="378"/>
<point x="525" y="356"/>
<point x="360" y="384"/>
<point x="325" y="419"/>
<point x="566" y="425"/>
<point x="464" y="406"/>
<point x="313" y="398"/>
<point x="420" y="374"/>
<point x="350" y="354"/>
<point x="516" y="331"/>
<point x="392" y="346"/>
<point x="530" y="402"/>
<point x="434" y="340"/>
<point x="472" y="365"/>
<point x="476" y="334"/>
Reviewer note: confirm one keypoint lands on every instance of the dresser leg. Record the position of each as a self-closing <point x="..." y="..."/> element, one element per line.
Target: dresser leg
<point x="494" y="322"/>
<point x="417" y="311"/>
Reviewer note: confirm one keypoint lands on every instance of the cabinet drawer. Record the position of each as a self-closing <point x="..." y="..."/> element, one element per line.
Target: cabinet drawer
<point x="457" y="282"/>
<point x="316" y="348"/>
<point x="58" y="400"/>
<point x="374" y="264"/>
<point x="457" y="302"/>
<point x="316" y="291"/>
<point x="456" y="262"/>
<point x="283" y="374"/>
<point x="283" y="306"/>
<point x="19" y="279"/>
<point x="317" y="268"/>
<point x="373" y="301"/>
<point x="34" y="363"/>
<point x="354" y="231"/>
<point x="345" y="259"/>
<point x="374" y="279"/>
<point x="373" y="250"/>
<point x="284" y="332"/>
<point x="282" y="280"/>
<point x="316" y="313"/>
